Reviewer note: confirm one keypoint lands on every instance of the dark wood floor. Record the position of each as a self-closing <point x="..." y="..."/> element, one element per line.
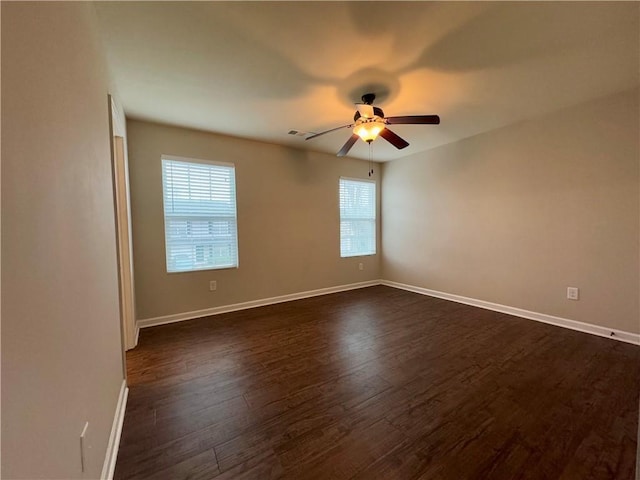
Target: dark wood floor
<point x="378" y="383"/>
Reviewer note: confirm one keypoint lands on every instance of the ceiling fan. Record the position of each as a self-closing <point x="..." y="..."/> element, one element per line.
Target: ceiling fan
<point x="369" y="122"/>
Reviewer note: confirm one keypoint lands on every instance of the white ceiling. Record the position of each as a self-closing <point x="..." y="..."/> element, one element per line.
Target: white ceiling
<point x="259" y="69"/>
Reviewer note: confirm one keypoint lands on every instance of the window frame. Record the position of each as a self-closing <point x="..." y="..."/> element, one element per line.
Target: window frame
<point x="177" y="158"/>
<point x="375" y="216"/>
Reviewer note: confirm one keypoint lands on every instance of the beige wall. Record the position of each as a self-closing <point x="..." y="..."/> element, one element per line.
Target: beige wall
<point x="288" y="222"/>
<point x="516" y="215"/>
<point x="61" y="350"/>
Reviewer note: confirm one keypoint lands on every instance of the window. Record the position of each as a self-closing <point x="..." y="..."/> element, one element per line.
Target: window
<point x="199" y="214"/>
<point x="357" y="217"/>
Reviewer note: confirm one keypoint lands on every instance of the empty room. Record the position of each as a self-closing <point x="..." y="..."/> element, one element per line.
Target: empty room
<point x="320" y="240"/>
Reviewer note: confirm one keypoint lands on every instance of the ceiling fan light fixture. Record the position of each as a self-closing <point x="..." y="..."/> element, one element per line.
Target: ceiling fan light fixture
<point x="369" y="130"/>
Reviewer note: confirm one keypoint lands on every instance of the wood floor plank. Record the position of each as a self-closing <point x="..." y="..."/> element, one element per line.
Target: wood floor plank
<point x="378" y="383"/>
<point x="265" y="466"/>
<point x="345" y="451"/>
<point x="198" y="467"/>
<point x="182" y="457"/>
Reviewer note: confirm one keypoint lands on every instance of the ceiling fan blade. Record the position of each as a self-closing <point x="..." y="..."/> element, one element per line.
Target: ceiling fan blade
<point x="328" y="131"/>
<point x="414" y="120"/>
<point x="365" y="110"/>
<point x="347" y="146"/>
<point x="394" y="139"/>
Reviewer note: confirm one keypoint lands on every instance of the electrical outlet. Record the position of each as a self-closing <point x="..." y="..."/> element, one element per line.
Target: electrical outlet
<point x="84" y="445"/>
<point x="213" y="286"/>
<point x="361" y="266"/>
<point x="573" y="293"/>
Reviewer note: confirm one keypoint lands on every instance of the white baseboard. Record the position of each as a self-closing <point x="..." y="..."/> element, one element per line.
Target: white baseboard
<point x="619" y="335"/>
<point x="614" y="334"/>
<point x="179" y="317"/>
<point x="109" y="466"/>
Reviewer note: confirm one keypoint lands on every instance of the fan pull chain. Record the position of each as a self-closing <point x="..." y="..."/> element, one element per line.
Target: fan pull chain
<point x="370" y="159"/>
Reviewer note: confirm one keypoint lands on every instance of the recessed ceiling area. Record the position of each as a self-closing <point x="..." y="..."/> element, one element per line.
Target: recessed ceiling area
<point x="260" y="69"/>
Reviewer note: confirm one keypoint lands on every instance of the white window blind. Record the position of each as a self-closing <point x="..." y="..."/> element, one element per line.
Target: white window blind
<point x="357" y="217"/>
<point x="199" y="214"/>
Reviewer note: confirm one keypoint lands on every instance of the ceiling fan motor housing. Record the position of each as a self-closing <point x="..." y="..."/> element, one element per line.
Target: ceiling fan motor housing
<point x="377" y="112"/>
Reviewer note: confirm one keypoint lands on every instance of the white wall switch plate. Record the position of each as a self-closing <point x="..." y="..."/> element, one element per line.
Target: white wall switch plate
<point x="213" y="286"/>
<point x="361" y="266"/>
<point x="83" y="446"/>
<point x="573" y="293"/>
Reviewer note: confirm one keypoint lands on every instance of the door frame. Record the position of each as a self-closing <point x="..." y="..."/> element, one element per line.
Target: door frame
<point x="122" y="216"/>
